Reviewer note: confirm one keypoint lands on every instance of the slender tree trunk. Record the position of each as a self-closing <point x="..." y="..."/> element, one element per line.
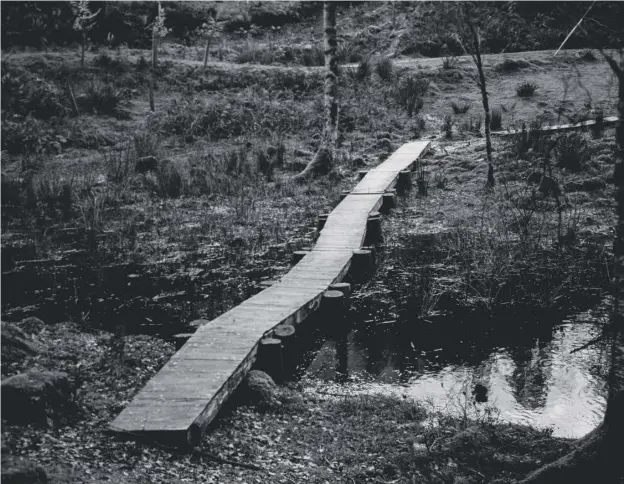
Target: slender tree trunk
<point x="476" y="40"/>
<point x="82" y="50"/>
<point x="323" y="160"/>
<point x="598" y="456"/>
<point x="154" y="50"/>
<point x="331" y="72"/>
<point x="207" y="53"/>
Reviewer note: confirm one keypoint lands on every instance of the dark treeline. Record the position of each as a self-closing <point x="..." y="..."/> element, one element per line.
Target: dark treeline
<point x="523" y="26"/>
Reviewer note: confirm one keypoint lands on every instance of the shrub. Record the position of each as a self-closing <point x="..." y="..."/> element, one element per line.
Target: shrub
<point x="364" y="69"/>
<point x="531" y="139"/>
<point x="526" y="89"/>
<point x="447" y="126"/>
<point x="168" y="182"/>
<point x="146" y="144"/>
<point x="597" y="129"/>
<point x="384" y="68"/>
<point x="450" y="62"/>
<point x="409" y="93"/>
<point x="510" y="65"/>
<point x="101" y="98"/>
<point x="27" y="95"/>
<point x="496" y="119"/>
<point x="572" y="151"/>
<point x="347" y="52"/>
<point x="314" y="56"/>
<point x="460" y="108"/>
<point x="587" y="55"/>
<point x="473" y="125"/>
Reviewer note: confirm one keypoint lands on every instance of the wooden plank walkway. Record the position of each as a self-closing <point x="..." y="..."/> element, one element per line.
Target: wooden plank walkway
<point x="179" y="402"/>
<point x="608" y="121"/>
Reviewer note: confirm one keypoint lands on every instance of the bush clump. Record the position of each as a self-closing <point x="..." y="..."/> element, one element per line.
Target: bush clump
<point x="526" y="89"/>
<point x="572" y="151"/>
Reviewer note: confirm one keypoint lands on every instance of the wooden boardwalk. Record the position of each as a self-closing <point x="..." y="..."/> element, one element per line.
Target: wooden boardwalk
<point x="179" y="402"/>
<point x="608" y="121"/>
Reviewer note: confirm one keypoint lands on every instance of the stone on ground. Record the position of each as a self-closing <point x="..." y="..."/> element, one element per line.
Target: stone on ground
<point x="35" y="396"/>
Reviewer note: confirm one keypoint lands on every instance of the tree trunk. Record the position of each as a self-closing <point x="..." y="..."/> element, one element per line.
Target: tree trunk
<point x="323" y="160"/>
<point x="598" y="456"/>
<point x="154" y="50"/>
<point x="207" y="53"/>
<point x="82" y="50"/>
<point x="486" y="105"/>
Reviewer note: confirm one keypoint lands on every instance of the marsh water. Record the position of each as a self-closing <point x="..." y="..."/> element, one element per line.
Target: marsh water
<point x="531" y="373"/>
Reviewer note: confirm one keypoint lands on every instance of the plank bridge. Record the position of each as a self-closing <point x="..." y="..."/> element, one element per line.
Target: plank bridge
<point x="181" y="400"/>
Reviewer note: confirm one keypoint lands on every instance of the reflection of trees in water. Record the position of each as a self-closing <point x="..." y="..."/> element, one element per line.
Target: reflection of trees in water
<point x="531" y="373"/>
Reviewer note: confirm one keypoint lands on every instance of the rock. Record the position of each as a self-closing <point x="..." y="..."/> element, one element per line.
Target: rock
<point x="17" y="470"/>
<point x="35" y="396"/>
<point x="16" y="344"/>
<point x="32" y="325"/>
<point x="146" y="164"/>
<point x="261" y="388"/>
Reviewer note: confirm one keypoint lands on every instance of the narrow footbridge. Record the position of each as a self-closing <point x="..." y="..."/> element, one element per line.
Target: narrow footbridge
<point x="181" y="400"/>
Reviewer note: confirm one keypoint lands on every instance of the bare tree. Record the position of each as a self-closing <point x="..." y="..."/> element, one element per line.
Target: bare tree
<point x="323" y="160"/>
<point x="597" y="457"/>
<point x="473" y="21"/>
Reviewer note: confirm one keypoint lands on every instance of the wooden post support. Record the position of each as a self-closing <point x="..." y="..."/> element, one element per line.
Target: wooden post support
<point x="389" y="202"/>
<point x="373" y="251"/>
<point x="404" y="182"/>
<point x="334" y="309"/>
<point x="374" y="235"/>
<point x="286" y="333"/>
<point x="344" y="194"/>
<point x="298" y="255"/>
<point x="361" y="265"/>
<point x="180" y="339"/>
<point x="320" y="223"/>
<point x="362" y="174"/>
<point x="270" y="358"/>
<point x="343" y="287"/>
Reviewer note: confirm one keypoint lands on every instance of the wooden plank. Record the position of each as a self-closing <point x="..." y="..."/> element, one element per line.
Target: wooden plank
<point x="182" y="399"/>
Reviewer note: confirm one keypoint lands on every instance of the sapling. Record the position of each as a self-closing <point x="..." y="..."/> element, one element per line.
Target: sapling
<point x="83" y="23"/>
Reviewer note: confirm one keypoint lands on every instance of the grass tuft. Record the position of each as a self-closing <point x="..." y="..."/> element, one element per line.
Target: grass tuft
<point x="526" y="89"/>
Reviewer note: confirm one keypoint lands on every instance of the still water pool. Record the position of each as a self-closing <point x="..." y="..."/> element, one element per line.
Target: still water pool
<point x="532" y="375"/>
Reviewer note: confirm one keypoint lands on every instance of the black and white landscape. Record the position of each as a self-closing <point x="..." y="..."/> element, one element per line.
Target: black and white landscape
<point x="292" y="242"/>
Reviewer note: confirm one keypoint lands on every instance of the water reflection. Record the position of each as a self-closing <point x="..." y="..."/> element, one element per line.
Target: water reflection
<point x="531" y="375"/>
